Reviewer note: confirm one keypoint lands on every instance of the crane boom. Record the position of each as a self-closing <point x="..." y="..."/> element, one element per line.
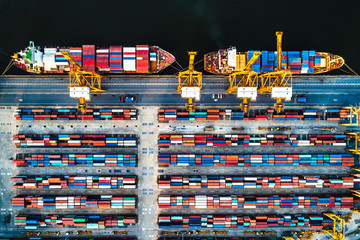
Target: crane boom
<point x="72" y="61"/>
<point x="253" y="59"/>
<point x="278" y="49"/>
<point x="278" y="83"/>
<point x="191" y="60"/>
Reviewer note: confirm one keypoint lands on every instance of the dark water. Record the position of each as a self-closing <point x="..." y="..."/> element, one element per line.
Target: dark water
<point x="182" y="25"/>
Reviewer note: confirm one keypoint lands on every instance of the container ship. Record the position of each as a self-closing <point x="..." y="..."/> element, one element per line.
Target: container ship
<point x="143" y="59"/>
<point x="227" y="61"/>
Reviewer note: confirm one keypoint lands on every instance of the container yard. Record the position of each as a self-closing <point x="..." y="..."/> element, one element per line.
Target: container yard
<point x="127" y="167"/>
<point x="116" y="180"/>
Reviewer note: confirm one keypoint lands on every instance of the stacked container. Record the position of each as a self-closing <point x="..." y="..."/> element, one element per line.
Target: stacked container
<point x="84" y="221"/>
<point x="80" y="182"/>
<point x="142" y="58"/>
<point x="84" y="140"/>
<point x="241" y="221"/>
<point x="116" y="59"/>
<point x="102" y="59"/>
<point x="185" y="160"/>
<point x="294" y="61"/>
<point x="337" y="114"/>
<point x="76" y="54"/>
<point x="97" y="160"/>
<point x="88" y="58"/>
<point x="73" y="114"/>
<point x="129" y="59"/>
<point x="67" y="202"/>
<point x="165" y="140"/>
<point x="229" y="114"/>
<point x="196" y="182"/>
<point x="234" y="201"/>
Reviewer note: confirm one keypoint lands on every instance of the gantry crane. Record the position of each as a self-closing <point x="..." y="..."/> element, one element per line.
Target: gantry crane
<point x="278" y="83"/>
<point x="334" y="232"/>
<point x="357" y="139"/>
<point x="245" y="83"/>
<point x="82" y="83"/>
<point x="354" y="112"/>
<point x="190" y="83"/>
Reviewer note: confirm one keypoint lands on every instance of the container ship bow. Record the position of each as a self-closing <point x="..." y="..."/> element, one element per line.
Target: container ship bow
<point x="141" y="59"/>
<point x="227" y="61"/>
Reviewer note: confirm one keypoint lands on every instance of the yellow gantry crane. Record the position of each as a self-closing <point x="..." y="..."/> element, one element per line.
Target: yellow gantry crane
<point x="190" y="83"/>
<point x="334" y="232"/>
<point x="278" y="83"/>
<point x="245" y="83"/>
<point x="82" y="83"/>
<point x="354" y="113"/>
<point x="357" y="139"/>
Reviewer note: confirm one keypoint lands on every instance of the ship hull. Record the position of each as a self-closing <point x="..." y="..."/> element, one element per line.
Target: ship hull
<point x="142" y="59"/>
<point x="227" y="61"/>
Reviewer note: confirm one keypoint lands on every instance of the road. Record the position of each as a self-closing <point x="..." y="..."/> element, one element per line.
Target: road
<point x="329" y="100"/>
<point x="167" y="84"/>
<point x="33" y="90"/>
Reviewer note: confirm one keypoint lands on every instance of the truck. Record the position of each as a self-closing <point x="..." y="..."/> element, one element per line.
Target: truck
<point x="301" y="99"/>
<point x="209" y="129"/>
<point x="128" y="99"/>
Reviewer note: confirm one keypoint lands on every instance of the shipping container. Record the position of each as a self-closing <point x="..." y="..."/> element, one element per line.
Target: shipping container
<point x="243" y="221"/>
<point x="93" y="221"/>
<point x="72" y="202"/>
<point x="80" y="182"/>
<point x="75" y="159"/>
<point x="71" y="140"/>
<point x="186" y="160"/>
<point x="88" y="60"/>
<point x="339" y="140"/>
<point x="74" y="114"/>
<point x="129" y="59"/>
<point x="244" y="202"/>
<point x="221" y="181"/>
<point x="260" y="115"/>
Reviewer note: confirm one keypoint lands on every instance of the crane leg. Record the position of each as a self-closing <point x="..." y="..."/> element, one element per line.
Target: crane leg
<point x="279" y="106"/>
<point x="245" y="105"/>
<point x="190" y="106"/>
<point x="82" y="105"/>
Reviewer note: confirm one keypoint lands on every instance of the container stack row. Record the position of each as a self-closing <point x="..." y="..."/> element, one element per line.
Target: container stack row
<point x="240" y="221"/>
<point x="186" y="160"/>
<point x="84" y="221"/>
<point x="67" y="202"/>
<point x="235" y="201"/>
<point x="83" y="140"/>
<point x="88" y="60"/>
<point x="81" y="182"/>
<point x="76" y="54"/>
<point x="165" y="140"/>
<point x="76" y="159"/>
<point x="115" y="59"/>
<point x="102" y="59"/>
<point x="142" y="58"/>
<point x="73" y="114"/>
<point x="220" y="181"/>
<point x="174" y="114"/>
<point x="129" y="59"/>
<point x="212" y="238"/>
<point x="336" y="114"/>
